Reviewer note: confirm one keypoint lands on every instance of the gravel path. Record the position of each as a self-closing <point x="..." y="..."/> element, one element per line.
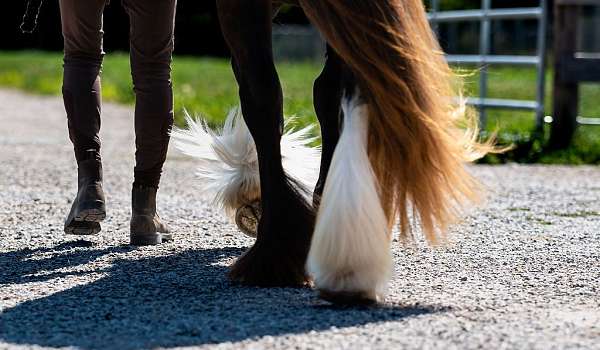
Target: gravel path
<point x="523" y="271"/>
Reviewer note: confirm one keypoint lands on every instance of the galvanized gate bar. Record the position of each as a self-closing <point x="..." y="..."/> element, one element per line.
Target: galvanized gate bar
<point x="503" y="103"/>
<point x="433" y="15"/>
<point x="485" y="38"/>
<point x="485" y="15"/>
<point x="493" y="14"/>
<point x="588" y="121"/>
<point x="494" y="59"/>
<point x="541" y="68"/>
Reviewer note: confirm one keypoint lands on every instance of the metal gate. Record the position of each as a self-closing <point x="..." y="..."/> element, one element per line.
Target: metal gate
<point x="485" y="16"/>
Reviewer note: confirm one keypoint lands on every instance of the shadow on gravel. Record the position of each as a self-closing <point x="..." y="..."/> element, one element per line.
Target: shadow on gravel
<point x="20" y="266"/>
<point x="177" y="300"/>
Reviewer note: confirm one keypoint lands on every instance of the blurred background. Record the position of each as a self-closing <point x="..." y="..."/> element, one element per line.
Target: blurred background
<point x="205" y="86"/>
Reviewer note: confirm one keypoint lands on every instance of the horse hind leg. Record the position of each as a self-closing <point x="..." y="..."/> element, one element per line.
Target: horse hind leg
<point x="327" y="95"/>
<point x="284" y="231"/>
<point x="350" y="258"/>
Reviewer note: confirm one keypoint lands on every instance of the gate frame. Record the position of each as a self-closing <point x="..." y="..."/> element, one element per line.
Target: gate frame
<point x="484" y="16"/>
<point x="570" y="69"/>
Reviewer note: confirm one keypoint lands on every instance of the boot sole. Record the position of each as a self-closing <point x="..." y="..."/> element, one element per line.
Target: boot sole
<point x="80" y="228"/>
<point x="138" y="239"/>
<point x="87" y="221"/>
<point x="145" y="239"/>
<point x="91" y="212"/>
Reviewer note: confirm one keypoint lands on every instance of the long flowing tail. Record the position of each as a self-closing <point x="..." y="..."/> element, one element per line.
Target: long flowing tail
<point x="418" y="140"/>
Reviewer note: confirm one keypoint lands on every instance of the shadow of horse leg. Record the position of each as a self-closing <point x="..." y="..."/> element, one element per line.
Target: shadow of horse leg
<point x="285" y="228"/>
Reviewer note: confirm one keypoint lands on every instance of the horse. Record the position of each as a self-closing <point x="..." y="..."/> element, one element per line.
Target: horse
<point x="394" y="144"/>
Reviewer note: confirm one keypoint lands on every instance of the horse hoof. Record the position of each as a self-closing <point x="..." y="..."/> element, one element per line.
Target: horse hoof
<point x="343" y="298"/>
<point x="247" y="218"/>
<point x="266" y="266"/>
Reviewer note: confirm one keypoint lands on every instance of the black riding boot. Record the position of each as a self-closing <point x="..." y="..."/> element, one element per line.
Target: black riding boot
<point x="146" y="226"/>
<point x="88" y="208"/>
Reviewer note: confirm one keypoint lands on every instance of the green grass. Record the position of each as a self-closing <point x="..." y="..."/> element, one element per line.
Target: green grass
<point x="206" y="87"/>
<point x="515" y="126"/>
<point x="203" y="86"/>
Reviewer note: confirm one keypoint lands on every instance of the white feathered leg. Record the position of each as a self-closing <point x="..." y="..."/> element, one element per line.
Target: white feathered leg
<point x="228" y="164"/>
<point x="350" y="257"/>
<point x="227" y="160"/>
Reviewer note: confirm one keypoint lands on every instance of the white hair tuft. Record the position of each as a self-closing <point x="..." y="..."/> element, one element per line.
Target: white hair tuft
<point x="228" y="171"/>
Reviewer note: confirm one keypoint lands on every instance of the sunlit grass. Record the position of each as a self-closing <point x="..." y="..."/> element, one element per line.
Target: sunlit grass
<point x="202" y="86"/>
<point x="207" y="87"/>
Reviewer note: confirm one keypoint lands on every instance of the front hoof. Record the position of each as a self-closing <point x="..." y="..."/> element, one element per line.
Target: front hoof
<point x="344" y="298"/>
<point x="264" y="268"/>
<point x="247" y="218"/>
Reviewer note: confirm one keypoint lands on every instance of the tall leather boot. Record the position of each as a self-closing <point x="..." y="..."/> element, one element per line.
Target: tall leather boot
<point x="88" y="208"/>
<point x="146" y="227"/>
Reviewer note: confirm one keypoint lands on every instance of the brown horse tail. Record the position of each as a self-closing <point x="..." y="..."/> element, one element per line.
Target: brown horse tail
<point x="419" y="137"/>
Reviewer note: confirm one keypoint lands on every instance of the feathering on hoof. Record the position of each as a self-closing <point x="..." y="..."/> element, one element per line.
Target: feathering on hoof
<point x="228" y="171"/>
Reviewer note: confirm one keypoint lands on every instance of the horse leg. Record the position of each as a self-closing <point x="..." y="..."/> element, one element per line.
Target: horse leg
<point x="327" y="96"/>
<point x="285" y="228"/>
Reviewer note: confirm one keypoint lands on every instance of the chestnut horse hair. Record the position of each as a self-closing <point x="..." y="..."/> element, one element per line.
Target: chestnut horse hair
<point x="395" y="141"/>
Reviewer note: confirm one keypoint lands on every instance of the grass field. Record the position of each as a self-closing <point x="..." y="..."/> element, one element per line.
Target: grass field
<point x="206" y="87"/>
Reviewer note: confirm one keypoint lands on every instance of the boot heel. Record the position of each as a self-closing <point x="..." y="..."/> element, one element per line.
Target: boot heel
<point x="82" y="228"/>
<point x="139" y="239"/>
<point x="146" y="227"/>
<point x="88" y="208"/>
<point x="91" y="212"/>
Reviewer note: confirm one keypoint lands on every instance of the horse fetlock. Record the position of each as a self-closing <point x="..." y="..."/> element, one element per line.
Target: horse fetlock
<point x="283" y="239"/>
<point x="269" y="266"/>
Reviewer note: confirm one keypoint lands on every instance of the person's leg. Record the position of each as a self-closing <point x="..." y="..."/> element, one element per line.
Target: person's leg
<point x="82" y="32"/>
<point x="151" y="39"/>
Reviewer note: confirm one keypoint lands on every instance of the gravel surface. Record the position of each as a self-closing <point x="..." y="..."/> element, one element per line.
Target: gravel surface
<point x="522" y="271"/>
